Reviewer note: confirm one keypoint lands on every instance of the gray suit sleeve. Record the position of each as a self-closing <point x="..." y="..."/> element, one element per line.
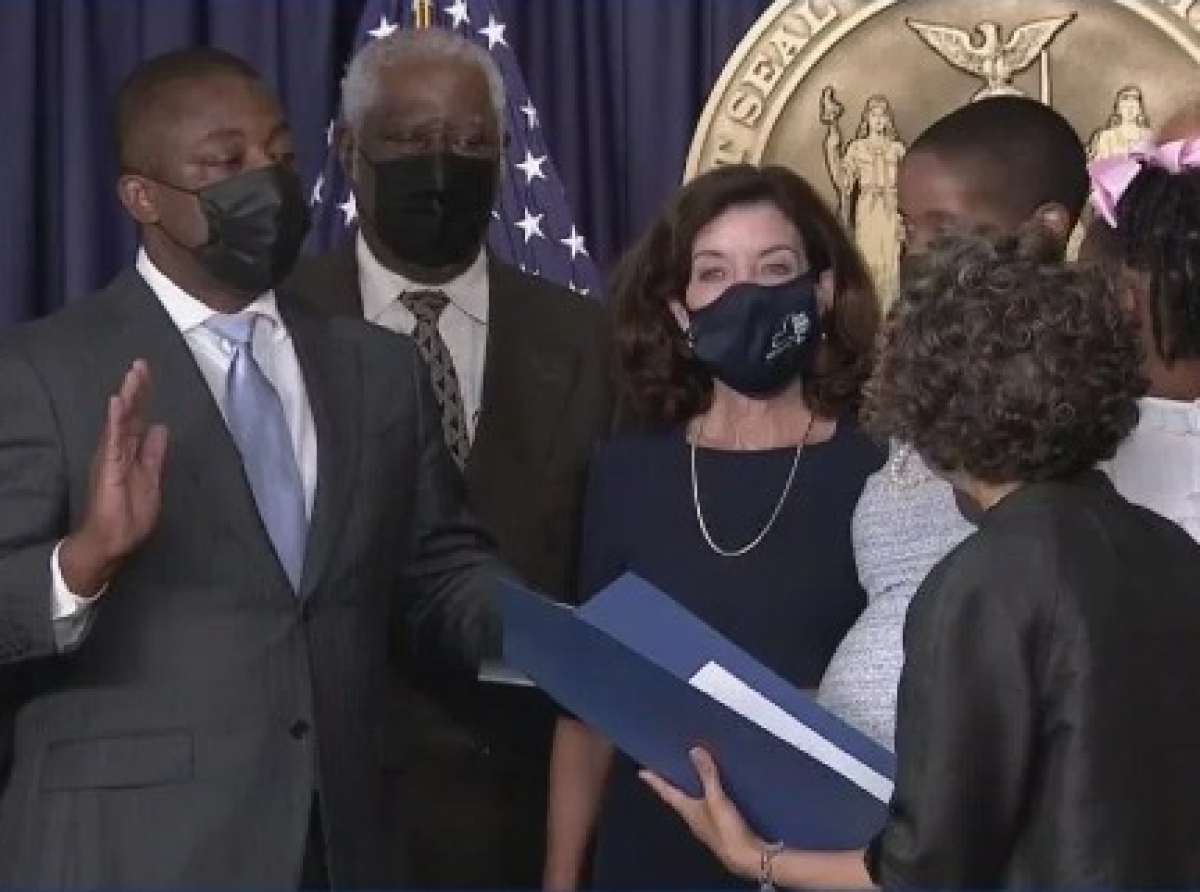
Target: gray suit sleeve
<point x="452" y="571"/>
<point x="33" y="510"/>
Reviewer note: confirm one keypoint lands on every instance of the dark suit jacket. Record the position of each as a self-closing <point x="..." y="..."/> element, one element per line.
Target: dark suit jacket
<point x="547" y="400"/>
<point x="478" y="754"/>
<point x="1049" y="714"/>
<point x="181" y="743"/>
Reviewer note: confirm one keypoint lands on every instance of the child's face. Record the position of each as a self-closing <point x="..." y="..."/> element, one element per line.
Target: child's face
<point x="936" y="199"/>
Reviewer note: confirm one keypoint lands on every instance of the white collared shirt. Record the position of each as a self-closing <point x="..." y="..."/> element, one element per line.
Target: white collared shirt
<point x="276" y="356"/>
<point x="1158" y="466"/>
<point x="463" y="324"/>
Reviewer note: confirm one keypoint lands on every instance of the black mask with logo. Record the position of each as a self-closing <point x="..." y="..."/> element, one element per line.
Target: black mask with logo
<point x="432" y="210"/>
<point x="257" y="223"/>
<point x="758" y="339"/>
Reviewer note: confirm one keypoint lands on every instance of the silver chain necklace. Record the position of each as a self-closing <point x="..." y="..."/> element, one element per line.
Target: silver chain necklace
<point x="762" y="534"/>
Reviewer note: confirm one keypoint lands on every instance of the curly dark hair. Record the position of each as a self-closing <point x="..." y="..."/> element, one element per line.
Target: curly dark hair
<point x="1158" y="234"/>
<point x="663" y="383"/>
<point x="1005" y="368"/>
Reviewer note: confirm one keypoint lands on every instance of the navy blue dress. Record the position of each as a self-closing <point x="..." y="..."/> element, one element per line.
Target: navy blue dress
<point x="788" y="602"/>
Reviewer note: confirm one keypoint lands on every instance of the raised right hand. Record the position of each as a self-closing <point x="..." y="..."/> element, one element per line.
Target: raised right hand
<point x="125" y="497"/>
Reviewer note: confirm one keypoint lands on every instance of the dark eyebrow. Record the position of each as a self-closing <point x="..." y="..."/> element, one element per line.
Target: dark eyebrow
<point x="281" y="128"/>
<point x="789" y="248"/>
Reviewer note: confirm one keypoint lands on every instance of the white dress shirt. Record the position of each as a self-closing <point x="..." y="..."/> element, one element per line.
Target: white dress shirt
<point x="276" y="356"/>
<point x="463" y="324"/>
<point x="1158" y="466"/>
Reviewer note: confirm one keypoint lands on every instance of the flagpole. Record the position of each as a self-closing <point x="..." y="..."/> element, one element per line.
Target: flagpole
<point x="422" y="13"/>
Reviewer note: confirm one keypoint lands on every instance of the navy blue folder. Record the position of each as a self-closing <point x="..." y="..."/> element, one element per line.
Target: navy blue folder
<point x="624" y="664"/>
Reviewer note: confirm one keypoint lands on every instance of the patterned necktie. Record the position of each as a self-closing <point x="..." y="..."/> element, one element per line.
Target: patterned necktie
<point x="427" y="307"/>
<point x="259" y="428"/>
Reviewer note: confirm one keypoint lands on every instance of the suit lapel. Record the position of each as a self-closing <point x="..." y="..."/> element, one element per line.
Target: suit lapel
<point x="526" y="384"/>
<point x="332" y="377"/>
<point x="328" y="282"/>
<point x="201" y="453"/>
<point x="342" y="292"/>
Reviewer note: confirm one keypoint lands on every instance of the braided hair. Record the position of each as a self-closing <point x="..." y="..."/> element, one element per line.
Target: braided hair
<point x="1158" y="234"/>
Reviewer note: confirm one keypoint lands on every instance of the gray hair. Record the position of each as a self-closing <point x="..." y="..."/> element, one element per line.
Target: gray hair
<point x="406" y="45"/>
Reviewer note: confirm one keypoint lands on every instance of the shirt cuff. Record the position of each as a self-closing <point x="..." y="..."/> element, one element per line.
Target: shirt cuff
<point x="67" y="604"/>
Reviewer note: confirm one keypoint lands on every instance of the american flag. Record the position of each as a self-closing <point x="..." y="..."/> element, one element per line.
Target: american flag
<point x="532" y="227"/>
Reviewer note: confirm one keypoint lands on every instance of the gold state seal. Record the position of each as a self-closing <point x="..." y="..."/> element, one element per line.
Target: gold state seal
<point x="836" y="88"/>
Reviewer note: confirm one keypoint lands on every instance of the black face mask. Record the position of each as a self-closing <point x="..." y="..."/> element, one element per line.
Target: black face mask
<point x="257" y="223"/>
<point x="433" y="210"/>
<point x="757" y="339"/>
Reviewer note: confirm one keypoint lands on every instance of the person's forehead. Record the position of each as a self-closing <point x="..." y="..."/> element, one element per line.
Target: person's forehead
<point x="449" y="83"/>
<point x="215" y="104"/>
<point x="747" y="225"/>
<point x="930" y="179"/>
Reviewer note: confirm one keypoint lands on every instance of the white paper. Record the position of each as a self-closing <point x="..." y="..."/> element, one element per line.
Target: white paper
<point x="729" y="690"/>
<point x="495" y="672"/>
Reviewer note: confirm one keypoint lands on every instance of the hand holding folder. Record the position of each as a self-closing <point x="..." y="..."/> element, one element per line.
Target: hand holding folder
<point x="656" y="681"/>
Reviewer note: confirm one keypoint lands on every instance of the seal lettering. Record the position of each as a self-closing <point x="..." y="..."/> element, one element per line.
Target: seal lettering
<point x="811" y="23"/>
<point x="730" y="151"/>
<point x="1181" y="8"/>
<point x="745" y="108"/>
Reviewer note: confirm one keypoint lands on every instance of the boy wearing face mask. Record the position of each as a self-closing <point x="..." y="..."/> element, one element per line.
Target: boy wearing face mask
<point x="522" y="376"/>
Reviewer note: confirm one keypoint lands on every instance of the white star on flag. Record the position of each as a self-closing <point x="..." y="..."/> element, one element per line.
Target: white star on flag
<point x="384" y="28"/>
<point x="578" y="289"/>
<point x="459" y="13"/>
<point x="530" y="113"/>
<point x="318" y="187"/>
<point x="329" y="131"/>
<point x="349" y="209"/>
<point x="574" y="241"/>
<point x="494" y="32"/>
<point x="531" y="225"/>
<point x="532" y="166"/>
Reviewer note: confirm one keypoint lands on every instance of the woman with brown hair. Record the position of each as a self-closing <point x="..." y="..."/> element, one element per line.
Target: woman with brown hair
<point x="745" y="324"/>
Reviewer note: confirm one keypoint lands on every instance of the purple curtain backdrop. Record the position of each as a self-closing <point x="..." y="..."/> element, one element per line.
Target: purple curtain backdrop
<point x="619" y="85"/>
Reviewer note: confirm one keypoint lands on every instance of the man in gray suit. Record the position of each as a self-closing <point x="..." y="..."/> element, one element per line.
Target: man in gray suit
<point x="202" y="604"/>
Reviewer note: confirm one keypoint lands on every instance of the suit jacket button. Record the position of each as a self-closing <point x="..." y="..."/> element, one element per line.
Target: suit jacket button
<point x="299" y="729"/>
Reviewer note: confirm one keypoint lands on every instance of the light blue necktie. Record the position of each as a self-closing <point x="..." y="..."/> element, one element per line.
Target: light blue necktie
<point x="259" y="428"/>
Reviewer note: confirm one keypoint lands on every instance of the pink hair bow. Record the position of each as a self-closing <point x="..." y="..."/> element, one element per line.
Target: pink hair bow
<point x="1111" y="176"/>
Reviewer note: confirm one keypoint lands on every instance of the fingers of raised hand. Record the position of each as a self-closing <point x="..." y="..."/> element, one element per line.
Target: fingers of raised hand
<point x="152" y="450"/>
<point x="126" y="426"/>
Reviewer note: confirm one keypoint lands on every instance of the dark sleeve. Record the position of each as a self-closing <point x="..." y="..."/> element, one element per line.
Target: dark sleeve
<point x="453" y="570"/>
<point x="33" y="510"/>
<point x="601" y="558"/>
<point x="590" y="422"/>
<point x="964" y="732"/>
